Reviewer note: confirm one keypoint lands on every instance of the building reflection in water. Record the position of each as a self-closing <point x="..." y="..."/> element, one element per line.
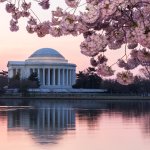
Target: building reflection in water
<point x="48" y="121"/>
<point x="45" y="124"/>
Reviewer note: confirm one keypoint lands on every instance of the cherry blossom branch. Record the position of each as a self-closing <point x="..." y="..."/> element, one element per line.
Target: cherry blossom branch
<point x="147" y="71"/>
<point x="35" y="15"/>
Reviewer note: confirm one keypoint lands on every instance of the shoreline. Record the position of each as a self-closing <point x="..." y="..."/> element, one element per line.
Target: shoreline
<point x="70" y="96"/>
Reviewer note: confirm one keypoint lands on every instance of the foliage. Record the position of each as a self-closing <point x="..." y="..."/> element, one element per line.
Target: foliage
<point x="34" y="78"/>
<point x="105" y="25"/>
<point x="146" y="72"/>
<point x="140" y="86"/>
<point x="88" y="79"/>
<point x="13" y="83"/>
<point x="3" y="83"/>
<point x="16" y="76"/>
<point x="24" y="84"/>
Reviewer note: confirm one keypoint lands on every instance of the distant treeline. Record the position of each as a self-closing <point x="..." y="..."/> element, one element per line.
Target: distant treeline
<point x="22" y="85"/>
<point x="90" y="80"/>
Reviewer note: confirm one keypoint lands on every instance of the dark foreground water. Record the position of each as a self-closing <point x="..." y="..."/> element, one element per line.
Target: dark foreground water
<point x="74" y="125"/>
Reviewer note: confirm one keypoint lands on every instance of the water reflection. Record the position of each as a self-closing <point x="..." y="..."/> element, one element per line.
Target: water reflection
<point x="45" y="122"/>
<point x="49" y="121"/>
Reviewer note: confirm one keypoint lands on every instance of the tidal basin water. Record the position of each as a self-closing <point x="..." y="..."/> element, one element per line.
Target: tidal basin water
<point x="74" y="125"/>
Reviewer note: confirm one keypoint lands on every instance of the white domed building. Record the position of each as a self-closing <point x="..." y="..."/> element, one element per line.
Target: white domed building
<point x="52" y="68"/>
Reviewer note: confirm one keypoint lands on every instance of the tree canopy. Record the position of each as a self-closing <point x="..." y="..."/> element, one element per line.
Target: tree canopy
<point x="88" y="79"/>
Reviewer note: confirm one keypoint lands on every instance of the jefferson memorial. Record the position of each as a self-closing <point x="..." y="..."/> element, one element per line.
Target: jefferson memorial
<point x="52" y="68"/>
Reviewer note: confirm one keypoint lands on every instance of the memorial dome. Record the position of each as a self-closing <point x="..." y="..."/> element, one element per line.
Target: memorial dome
<point x="46" y="52"/>
<point x="46" y="55"/>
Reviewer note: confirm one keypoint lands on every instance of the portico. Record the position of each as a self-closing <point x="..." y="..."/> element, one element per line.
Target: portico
<point x="55" y="76"/>
<point x="52" y="68"/>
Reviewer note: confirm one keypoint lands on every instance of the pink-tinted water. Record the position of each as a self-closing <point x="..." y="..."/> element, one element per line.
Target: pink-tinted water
<point x="74" y="127"/>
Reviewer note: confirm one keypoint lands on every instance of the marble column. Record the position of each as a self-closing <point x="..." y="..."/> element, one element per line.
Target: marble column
<point x="58" y="76"/>
<point x="43" y="118"/>
<point x="54" y="76"/>
<point x="34" y="70"/>
<point x="48" y="117"/>
<point x="74" y="76"/>
<point x="51" y="76"/>
<point x="53" y="117"/>
<point x="67" y="76"/>
<point x="39" y="74"/>
<point x="43" y="76"/>
<point x="70" y="76"/>
<point x="63" y="77"/>
<point x="30" y="71"/>
<point x="63" y="118"/>
<point x="66" y="116"/>
<point x="18" y="71"/>
<point x="48" y="76"/>
<point x="58" y="118"/>
<point x="14" y="72"/>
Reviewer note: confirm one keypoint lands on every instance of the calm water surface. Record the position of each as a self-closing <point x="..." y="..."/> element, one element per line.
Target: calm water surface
<point x="74" y="125"/>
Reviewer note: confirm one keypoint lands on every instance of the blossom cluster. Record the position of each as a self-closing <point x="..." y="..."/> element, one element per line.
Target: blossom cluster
<point x="125" y="77"/>
<point x="93" y="44"/>
<point x="104" y="70"/>
<point x="137" y="57"/>
<point x="104" y="24"/>
<point x="22" y="9"/>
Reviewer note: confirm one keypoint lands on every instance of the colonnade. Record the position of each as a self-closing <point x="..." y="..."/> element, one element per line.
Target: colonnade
<point x="55" y="76"/>
<point x="15" y="71"/>
<point x="54" y="118"/>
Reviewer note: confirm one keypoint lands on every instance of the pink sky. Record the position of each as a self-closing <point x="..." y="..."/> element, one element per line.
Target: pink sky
<point x="20" y="45"/>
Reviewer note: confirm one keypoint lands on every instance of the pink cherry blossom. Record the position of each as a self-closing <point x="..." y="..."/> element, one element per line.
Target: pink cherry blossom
<point x="16" y="15"/>
<point x="30" y="29"/>
<point x="104" y="70"/>
<point x="26" y="6"/>
<point x="55" y="21"/>
<point x="10" y="8"/>
<point x="56" y="31"/>
<point x="58" y="12"/>
<point x="72" y="3"/>
<point x="32" y="21"/>
<point x="44" y="4"/>
<point x="13" y="25"/>
<point x="92" y="15"/>
<point x="132" y="45"/>
<point x="68" y="22"/>
<point x="132" y="63"/>
<point x="144" y="55"/>
<point x="93" y="62"/>
<point x="121" y="63"/>
<point x="2" y="1"/>
<point x="102" y="59"/>
<point x="42" y="29"/>
<point x="134" y="53"/>
<point x="25" y="14"/>
<point x="93" y="44"/>
<point x="125" y="78"/>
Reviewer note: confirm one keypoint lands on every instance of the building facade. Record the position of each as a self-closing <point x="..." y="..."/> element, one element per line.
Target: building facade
<point x="52" y="68"/>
